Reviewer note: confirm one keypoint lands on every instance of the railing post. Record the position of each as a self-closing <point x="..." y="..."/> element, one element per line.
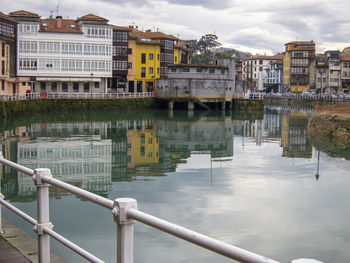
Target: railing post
<point x="43" y="214"/>
<point x="125" y="229"/>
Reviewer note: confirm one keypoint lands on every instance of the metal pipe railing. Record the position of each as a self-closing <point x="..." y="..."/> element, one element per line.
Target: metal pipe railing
<point x="209" y="243"/>
<point x="50" y="232"/>
<point x="105" y="202"/>
<point x="124" y="211"/>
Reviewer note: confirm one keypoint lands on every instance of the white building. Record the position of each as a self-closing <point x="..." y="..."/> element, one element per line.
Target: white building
<point x="254" y="70"/>
<point x="63" y="55"/>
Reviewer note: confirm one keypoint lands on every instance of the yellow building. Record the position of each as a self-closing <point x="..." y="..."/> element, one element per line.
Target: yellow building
<point x="297" y="66"/>
<point x="143" y="147"/>
<point x="151" y="54"/>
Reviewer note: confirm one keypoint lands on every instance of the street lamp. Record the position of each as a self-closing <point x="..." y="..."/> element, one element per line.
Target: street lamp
<point x="91" y="76"/>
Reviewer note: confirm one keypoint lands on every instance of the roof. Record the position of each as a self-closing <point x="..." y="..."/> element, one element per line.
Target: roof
<point x="93" y="17"/>
<point x="301" y="43"/>
<point x="23" y="13"/>
<point x="121" y="28"/>
<point x="197" y="66"/>
<point x="345" y="58"/>
<point x="150" y="35"/>
<point x="7" y="18"/>
<point x="68" y="26"/>
<point x="260" y="57"/>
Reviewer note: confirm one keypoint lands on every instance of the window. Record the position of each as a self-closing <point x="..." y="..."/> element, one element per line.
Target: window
<point x="54" y="86"/>
<point x="199" y="70"/>
<point x="143" y="72"/>
<point x="86" y="87"/>
<point x="120" y="36"/>
<point x="157" y="70"/>
<point x="143" y="58"/>
<point x="2" y="84"/>
<point x="150" y="70"/>
<point x="157" y="56"/>
<point x="75" y="87"/>
<point x="222" y="72"/>
<point x="212" y="70"/>
<point x="150" y="56"/>
<point x="43" y="86"/>
<point x="175" y="58"/>
<point x="64" y="87"/>
<point x="186" y="70"/>
<point x="97" y="85"/>
<point x="28" y="64"/>
<point x="172" y="69"/>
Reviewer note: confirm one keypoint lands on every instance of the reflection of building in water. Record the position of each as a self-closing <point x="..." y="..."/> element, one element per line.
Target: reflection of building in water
<point x="143" y="149"/>
<point x="294" y="136"/>
<point x="251" y="128"/>
<point x="66" y="129"/>
<point x="8" y="141"/>
<point x="178" y="139"/>
<point x="272" y="123"/>
<point x="80" y="160"/>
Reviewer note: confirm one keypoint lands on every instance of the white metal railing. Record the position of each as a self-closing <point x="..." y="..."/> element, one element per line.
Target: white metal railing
<point x="124" y="95"/>
<point x="124" y="211"/>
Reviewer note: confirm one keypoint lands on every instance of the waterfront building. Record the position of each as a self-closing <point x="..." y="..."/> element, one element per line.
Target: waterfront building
<point x="9" y="83"/>
<point x="208" y="83"/>
<point x="152" y="53"/>
<point x="321" y="72"/>
<point x="120" y="63"/>
<point x="274" y="77"/>
<point x="345" y="70"/>
<point x="64" y="55"/>
<point x="254" y="71"/>
<point x="334" y="80"/>
<point x="299" y="66"/>
<point x="145" y="62"/>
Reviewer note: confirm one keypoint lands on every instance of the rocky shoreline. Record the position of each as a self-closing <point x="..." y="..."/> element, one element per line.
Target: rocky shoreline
<point x="331" y="122"/>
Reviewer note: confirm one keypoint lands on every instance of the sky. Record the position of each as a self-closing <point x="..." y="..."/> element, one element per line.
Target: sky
<point x="255" y="26"/>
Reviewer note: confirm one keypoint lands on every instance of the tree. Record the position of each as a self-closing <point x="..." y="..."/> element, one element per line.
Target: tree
<point x="203" y="48"/>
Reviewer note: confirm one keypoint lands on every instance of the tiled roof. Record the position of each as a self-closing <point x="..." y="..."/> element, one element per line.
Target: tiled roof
<point x="93" y="17"/>
<point x="5" y="17"/>
<point x="121" y="28"/>
<point x="150" y="35"/>
<point x="301" y="43"/>
<point x="68" y="26"/>
<point x="23" y="13"/>
<point x="345" y="58"/>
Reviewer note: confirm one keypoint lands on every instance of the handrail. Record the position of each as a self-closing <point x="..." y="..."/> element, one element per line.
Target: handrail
<point x="124" y="212"/>
<point x="212" y="244"/>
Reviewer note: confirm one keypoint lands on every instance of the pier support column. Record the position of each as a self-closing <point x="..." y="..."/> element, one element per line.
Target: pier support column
<point x="171" y="105"/>
<point x="190" y="105"/>
<point x="223" y="105"/>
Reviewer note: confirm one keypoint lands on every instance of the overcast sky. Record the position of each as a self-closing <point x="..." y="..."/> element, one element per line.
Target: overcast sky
<point x="257" y="26"/>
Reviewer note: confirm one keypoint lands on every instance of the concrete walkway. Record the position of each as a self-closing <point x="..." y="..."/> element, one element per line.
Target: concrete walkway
<point x="17" y="246"/>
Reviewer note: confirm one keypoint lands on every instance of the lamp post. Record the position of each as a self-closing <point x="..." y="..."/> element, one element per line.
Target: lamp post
<point x="91" y="76"/>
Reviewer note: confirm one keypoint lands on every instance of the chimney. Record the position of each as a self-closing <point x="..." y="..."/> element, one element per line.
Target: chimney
<point x="59" y="21"/>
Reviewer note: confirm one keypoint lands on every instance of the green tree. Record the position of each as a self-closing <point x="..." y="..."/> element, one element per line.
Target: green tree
<point x="203" y="48"/>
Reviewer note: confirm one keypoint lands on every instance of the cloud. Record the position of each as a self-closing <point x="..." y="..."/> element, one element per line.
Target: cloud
<point x="252" y="25"/>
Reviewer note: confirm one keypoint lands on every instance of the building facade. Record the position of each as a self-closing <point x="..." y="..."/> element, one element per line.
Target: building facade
<point x="9" y="83"/>
<point x="299" y="66"/>
<point x="254" y="71"/>
<point x="62" y="55"/>
<point x="209" y="83"/>
<point x="274" y="77"/>
<point x="334" y="76"/>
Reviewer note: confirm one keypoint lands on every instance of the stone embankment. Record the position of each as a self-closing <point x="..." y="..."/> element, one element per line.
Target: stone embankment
<point x="331" y="122"/>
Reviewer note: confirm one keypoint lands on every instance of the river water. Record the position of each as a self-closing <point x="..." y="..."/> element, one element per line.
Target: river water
<point x="252" y="179"/>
